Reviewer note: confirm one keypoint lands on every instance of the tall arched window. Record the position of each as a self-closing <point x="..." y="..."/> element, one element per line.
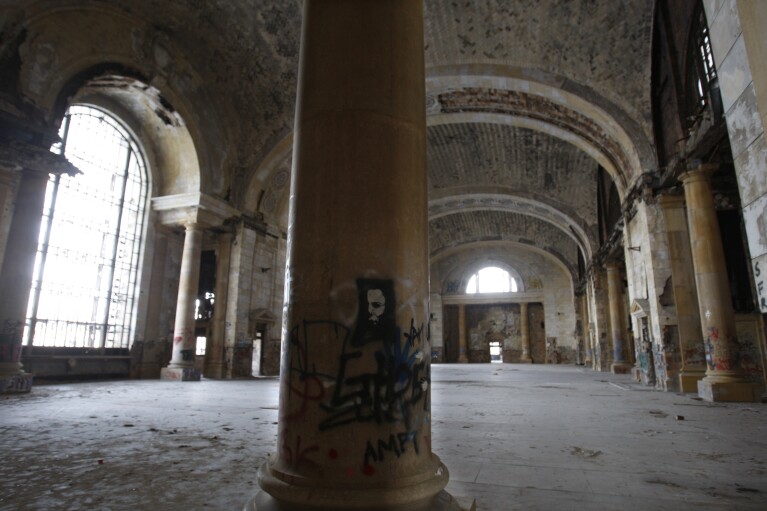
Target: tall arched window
<point x="491" y="280"/>
<point x="84" y="286"/>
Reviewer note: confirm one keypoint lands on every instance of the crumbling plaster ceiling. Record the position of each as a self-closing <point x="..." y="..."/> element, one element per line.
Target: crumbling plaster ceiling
<point x="524" y="100"/>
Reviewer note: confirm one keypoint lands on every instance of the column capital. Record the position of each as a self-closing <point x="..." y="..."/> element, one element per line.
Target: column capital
<point x="698" y="171"/>
<point x="188" y="208"/>
<point x="16" y="156"/>
<point x="671" y="200"/>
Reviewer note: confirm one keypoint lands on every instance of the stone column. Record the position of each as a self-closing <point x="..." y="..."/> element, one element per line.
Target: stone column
<point x="16" y="278"/>
<point x="215" y="366"/>
<point x="9" y="180"/>
<point x="463" y="350"/>
<point x="724" y="378"/>
<point x="617" y="319"/>
<point x="181" y="365"/>
<point x="585" y="319"/>
<point x="354" y="419"/>
<point x="692" y="352"/>
<point x="524" y="328"/>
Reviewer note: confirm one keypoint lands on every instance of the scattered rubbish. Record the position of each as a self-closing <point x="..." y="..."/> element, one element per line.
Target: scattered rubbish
<point x="128" y="425"/>
<point x="743" y="489"/>
<point x="679" y="417"/>
<point x="100" y="461"/>
<point x="584" y="453"/>
<point x="658" y="413"/>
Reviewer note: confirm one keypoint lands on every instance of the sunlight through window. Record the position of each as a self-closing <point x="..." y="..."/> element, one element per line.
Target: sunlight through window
<point x="491" y="280"/>
<point x="86" y="268"/>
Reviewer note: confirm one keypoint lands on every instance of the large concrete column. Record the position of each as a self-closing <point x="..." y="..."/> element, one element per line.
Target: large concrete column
<point x="215" y="366"/>
<point x="724" y="378"/>
<point x="354" y="420"/>
<point x="16" y="278"/>
<point x="585" y="320"/>
<point x="617" y="319"/>
<point x="693" y="361"/>
<point x="181" y="365"/>
<point x="463" y="350"/>
<point x="524" y="328"/>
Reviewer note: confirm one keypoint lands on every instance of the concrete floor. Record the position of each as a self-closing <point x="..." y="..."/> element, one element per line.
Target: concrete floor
<point x="513" y="437"/>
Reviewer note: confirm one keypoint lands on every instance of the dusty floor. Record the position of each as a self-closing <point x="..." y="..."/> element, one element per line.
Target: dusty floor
<point x="513" y="437"/>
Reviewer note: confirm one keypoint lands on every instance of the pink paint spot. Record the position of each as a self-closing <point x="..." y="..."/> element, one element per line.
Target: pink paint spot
<point x="178" y="339"/>
<point x="333" y="454"/>
<point x="349" y="472"/>
<point x="368" y="470"/>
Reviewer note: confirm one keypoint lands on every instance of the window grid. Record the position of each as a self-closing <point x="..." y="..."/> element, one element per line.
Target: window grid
<point x="86" y="269"/>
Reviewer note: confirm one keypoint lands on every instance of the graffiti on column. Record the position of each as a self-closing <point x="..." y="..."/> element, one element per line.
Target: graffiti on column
<point x="390" y="388"/>
<point x="390" y="392"/>
<point x="718" y="356"/>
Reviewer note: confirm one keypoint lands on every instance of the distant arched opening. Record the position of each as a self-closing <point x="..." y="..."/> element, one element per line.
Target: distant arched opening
<point x="491" y="279"/>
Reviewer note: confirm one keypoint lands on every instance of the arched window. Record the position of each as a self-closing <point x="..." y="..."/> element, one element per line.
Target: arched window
<point x="701" y="71"/>
<point x="86" y="270"/>
<point x="491" y="280"/>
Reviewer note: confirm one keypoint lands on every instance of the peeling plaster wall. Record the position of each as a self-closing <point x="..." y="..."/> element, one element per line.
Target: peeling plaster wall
<point x="651" y="267"/>
<point x="599" y="322"/>
<point x="740" y="60"/>
<point x="238" y="340"/>
<point x="267" y="289"/>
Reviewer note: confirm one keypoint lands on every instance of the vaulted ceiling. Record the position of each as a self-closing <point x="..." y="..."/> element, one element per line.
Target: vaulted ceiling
<point x="526" y="100"/>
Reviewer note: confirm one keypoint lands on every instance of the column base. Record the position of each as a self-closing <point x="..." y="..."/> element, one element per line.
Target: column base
<point x="733" y="392"/>
<point x="442" y="502"/>
<point x="16" y="383"/>
<point x="621" y="368"/>
<point x="688" y="380"/>
<point x="526" y="360"/>
<point x="180" y="374"/>
<point x="288" y="491"/>
<point x="463" y="359"/>
<point x="215" y="371"/>
<point x="636" y="374"/>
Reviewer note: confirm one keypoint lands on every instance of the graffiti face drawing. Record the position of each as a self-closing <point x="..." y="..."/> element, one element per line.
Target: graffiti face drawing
<point x="376" y="305"/>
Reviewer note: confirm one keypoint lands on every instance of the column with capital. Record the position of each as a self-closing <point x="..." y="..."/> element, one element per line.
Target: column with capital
<point x="462" y="344"/>
<point x="16" y="278"/>
<point x="724" y="378"/>
<point x="585" y="319"/>
<point x="215" y="366"/>
<point x="524" y="328"/>
<point x="692" y="352"/>
<point x="22" y="212"/>
<point x="182" y="363"/>
<point x="355" y="417"/>
<point x="617" y="320"/>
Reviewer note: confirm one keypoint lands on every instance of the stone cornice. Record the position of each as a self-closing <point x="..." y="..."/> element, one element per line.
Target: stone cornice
<point x="195" y="207"/>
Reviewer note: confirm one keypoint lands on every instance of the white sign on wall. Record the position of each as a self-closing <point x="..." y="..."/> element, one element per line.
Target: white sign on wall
<point x="760" y="277"/>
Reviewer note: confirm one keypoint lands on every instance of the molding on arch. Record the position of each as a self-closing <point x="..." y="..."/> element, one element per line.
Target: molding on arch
<point x="509" y="246"/>
<point x="544" y="102"/>
<point x="469" y="201"/>
<point x="266" y="188"/>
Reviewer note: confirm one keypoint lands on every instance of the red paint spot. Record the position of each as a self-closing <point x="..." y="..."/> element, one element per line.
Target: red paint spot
<point x="178" y="339"/>
<point x="349" y="472"/>
<point x="333" y="454"/>
<point x="368" y="470"/>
